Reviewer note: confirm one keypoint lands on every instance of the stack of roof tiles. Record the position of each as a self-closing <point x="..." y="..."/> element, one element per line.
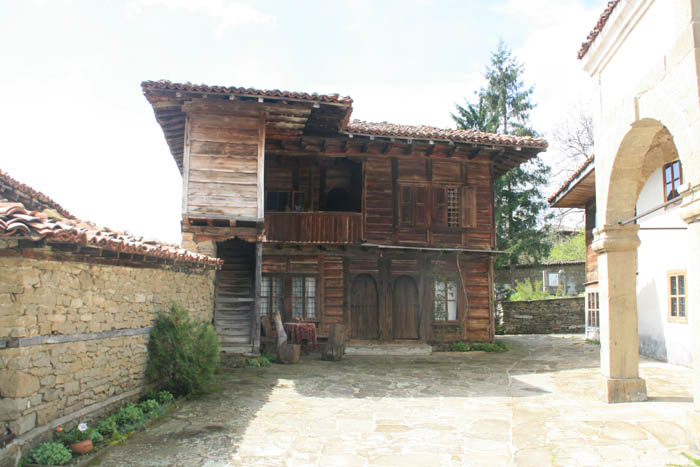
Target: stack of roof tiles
<point x="28" y="196"/>
<point x="17" y="222"/>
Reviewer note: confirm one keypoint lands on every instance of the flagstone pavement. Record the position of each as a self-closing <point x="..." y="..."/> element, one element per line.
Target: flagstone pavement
<point x="537" y="404"/>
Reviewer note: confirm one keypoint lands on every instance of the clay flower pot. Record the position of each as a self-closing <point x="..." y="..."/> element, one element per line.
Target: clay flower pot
<point x="82" y="447"/>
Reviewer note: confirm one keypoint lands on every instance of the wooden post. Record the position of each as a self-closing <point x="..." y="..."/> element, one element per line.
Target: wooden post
<point x="335" y="347"/>
<point x="255" y="325"/>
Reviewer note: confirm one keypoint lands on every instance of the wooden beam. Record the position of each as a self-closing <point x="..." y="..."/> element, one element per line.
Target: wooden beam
<point x="344" y="146"/>
<point x="386" y="148"/>
<point x="324" y="144"/>
<point x="261" y="166"/>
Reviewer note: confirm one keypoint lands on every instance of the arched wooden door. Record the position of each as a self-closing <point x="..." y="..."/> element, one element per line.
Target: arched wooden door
<point x="364" y="310"/>
<point x="406" y="309"/>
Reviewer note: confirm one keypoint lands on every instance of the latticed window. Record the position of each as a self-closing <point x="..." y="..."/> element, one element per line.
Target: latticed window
<point x="592" y="310"/>
<point x="677" y="296"/>
<point x="444" y="300"/>
<point x="452" y="207"/>
<point x="271" y="295"/>
<point x="303" y="297"/>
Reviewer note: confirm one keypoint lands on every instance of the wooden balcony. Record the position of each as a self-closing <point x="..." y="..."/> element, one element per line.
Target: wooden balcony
<point x="314" y="227"/>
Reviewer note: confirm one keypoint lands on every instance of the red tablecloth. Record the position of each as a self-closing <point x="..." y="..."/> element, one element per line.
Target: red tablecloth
<point x="298" y="332"/>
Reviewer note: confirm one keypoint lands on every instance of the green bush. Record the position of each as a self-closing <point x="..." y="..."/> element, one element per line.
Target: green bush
<point x="108" y="426"/>
<point x="476" y="346"/>
<point x="50" y="453"/>
<point x="264" y="361"/>
<point x="149" y="405"/>
<point x="525" y="290"/>
<point x="183" y="355"/>
<point x="253" y="362"/>
<point x="164" y="397"/>
<point x="129" y="417"/>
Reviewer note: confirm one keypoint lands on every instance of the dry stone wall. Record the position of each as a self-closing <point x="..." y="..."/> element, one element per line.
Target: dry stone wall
<point x="73" y="334"/>
<point x="555" y="316"/>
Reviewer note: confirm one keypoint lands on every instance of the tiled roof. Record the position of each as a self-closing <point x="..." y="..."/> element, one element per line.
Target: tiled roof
<point x="314" y="97"/>
<point x="429" y="132"/>
<point x="28" y="196"/>
<point x="598" y="27"/>
<point x="17" y="222"/>
<point x="574" y="176"/>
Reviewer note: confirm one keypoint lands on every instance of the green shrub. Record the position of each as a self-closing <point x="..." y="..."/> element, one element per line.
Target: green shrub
<point x="270" y="357"/>
<point x="253" y="362"/>
<point x="129" y="416"/>
<point x="108" y="426"/>
<point x="459" y="347"/>
<point x="525" y="290"/>
<point x="164" y="397"/>
<point x="50" y="453"/>
<point x="183" y="355"/>
<point x="149" y="405"/>
<point x="264" y="361"/>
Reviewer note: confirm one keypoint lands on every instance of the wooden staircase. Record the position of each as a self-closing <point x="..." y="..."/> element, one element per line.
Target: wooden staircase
<point x="235" y="295"/>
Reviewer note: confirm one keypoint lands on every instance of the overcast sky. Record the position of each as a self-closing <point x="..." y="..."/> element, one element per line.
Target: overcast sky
<point x="75" y="125"/>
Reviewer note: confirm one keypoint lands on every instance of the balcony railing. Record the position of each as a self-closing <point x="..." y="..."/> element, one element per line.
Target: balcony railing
<point x="314" y="227"/>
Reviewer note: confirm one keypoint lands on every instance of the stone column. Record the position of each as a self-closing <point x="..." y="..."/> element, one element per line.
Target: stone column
<point x="616" y="246"/>
<point x="690" y="213"/>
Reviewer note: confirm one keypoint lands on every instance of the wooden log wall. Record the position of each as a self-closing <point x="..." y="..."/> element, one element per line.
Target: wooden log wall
<point x="222" y="161"/>
<point x="391" y="272"/>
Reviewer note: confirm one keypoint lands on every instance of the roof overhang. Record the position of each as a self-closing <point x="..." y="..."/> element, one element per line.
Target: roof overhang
<point x="578" y="192"/>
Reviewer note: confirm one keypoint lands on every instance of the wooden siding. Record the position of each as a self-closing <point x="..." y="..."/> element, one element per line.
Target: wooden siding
<point x="591" y="256"/>
<point x="222" y="162"/>
<point x="313" y="227"/>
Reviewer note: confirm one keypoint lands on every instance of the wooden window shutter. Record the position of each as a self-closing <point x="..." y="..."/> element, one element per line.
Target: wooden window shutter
<point x="405" y="205"/>
<point x="419" y="208"/>
<point x="439" y="207"/>
<point x="468" y="215"/>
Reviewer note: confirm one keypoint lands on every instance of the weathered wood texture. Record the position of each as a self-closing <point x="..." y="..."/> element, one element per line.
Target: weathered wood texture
<point x="234" y="305"/>
<point x="315" y="227"/>
<point x="335" y="347"/>
<point x="222" y="161"/>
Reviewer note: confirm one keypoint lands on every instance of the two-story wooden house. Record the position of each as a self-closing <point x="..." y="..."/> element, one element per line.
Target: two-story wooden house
<point x="386" y="228"/>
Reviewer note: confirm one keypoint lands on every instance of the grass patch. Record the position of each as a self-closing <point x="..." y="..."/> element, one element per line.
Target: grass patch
<point x="478" y="346"/>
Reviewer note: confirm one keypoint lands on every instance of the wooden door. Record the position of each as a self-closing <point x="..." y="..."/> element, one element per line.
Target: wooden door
<point x="235" y="292"/>
<point x="406" y="309"/>
<point x="364" y="310"/>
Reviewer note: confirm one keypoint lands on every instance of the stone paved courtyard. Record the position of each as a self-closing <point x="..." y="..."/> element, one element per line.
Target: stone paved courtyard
<point x="537" y="404"/>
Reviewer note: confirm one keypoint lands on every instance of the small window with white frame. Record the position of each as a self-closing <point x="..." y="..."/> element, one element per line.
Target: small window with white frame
<point x="592" y="310"/>
<point x="677" y="297"/>
<point x="445" y="300"/>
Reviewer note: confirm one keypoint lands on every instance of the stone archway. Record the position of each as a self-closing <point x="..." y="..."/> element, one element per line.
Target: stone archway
<point x="647" y="146"/>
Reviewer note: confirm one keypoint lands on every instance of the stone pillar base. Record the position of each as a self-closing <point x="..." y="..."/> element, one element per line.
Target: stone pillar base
<point x="624" y="390"/>
<point x="692" y="427"/>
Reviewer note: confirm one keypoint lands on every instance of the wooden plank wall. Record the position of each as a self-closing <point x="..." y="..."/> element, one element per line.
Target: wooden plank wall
<point x="378" y="200"/>
<point x="222" y="178"/>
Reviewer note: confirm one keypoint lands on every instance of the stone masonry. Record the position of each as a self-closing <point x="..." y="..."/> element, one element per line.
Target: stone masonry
<point x="74" y="333"/>
<point x="555" y="316"/>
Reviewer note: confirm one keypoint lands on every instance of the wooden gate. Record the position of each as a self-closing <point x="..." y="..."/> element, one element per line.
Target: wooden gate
<point x="406" y="309"/>
<point x="364" y="310"/>
<point x="235" y="292"/>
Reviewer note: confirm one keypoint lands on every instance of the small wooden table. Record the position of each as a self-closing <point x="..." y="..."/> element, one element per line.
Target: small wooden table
<point x="298" y="332"/>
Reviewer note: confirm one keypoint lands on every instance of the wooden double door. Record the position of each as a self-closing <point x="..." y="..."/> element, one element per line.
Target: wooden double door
<point x="364" y="308"/>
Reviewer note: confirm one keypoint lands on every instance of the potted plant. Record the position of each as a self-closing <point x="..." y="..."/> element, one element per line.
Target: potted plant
<point x="79" y="439"/>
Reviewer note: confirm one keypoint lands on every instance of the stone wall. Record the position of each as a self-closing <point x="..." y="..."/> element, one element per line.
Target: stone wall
<point x="556" y="316"/>
<point x="574" y="274"/>
<point x="73" y="334"/>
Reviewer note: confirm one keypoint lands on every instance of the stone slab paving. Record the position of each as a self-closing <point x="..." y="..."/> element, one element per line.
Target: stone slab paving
<point x="536" y="405"/>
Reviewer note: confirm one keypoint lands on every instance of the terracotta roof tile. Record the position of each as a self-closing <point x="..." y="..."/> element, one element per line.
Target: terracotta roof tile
<point x="429" y="132"/>
<point x="28" y="196"/>
<point x="574" y="176"/>
<point x="597" y="29"/>
<point x="314" y="97"/>
<point x="17" y="222"/>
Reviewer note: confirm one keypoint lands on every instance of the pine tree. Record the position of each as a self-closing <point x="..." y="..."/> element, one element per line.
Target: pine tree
<point x="504" y="107"/>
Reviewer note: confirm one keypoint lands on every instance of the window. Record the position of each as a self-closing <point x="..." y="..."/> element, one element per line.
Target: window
<point x="673" y="178"/>
<point x="592" y="310"/>
<point x="412" y="205"/>
<point x="677" y="299"/>
<point x="452" y="207"/>
<point x="271" y="295"/>
<point x="445" y="300"/>
<point x="281" y="201"/>
<point x="303" y="297"/>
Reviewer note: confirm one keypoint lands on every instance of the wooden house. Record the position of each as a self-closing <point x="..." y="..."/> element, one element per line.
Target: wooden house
<point x="386" y="228"/>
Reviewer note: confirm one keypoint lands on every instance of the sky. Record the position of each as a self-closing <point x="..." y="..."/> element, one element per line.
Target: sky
<point x="76" y="126"/>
